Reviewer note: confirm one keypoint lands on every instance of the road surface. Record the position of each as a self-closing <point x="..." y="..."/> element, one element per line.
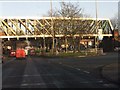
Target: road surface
<point x="39" y="72"/>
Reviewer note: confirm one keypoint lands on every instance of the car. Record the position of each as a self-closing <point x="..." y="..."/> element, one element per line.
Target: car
<point x="12" y="53"/>
<point x="32" y="51"/>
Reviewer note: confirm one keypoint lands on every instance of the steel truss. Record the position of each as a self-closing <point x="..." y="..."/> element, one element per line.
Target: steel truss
<point x="41" y="27"/>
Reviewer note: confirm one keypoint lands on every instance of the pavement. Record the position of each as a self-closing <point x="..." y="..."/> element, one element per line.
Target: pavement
<point x="110" y="72"/>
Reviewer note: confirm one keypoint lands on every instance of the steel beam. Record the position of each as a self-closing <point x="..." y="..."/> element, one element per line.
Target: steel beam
<point x="32" y="36"/>
<point x="83" y="26"/>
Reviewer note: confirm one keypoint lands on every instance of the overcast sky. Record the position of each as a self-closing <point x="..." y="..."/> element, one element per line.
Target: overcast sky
<point x="106" y="9"/>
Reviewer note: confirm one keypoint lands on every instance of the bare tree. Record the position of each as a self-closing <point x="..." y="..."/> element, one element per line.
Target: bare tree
<point x="114" y="21"/>
<point x="71" y="11"/>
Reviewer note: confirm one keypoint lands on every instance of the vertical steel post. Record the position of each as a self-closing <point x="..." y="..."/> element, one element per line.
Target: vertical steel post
<point x="96" y="31"/>
<point x="44" y="39"/>
<point x="53" y="38"/>
<point x="35" y="31"/>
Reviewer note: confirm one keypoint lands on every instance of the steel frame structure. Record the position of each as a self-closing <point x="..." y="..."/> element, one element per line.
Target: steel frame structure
<point x="33" y="27"/>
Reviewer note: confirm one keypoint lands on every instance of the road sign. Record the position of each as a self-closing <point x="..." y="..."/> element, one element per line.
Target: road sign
<point x="100" y="36"/>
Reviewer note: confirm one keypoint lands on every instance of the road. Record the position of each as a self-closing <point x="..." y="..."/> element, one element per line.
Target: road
<point x="39" y="72"/>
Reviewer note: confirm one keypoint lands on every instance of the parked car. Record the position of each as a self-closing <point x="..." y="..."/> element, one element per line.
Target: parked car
<point x="32" y="51"/>
<point x="12" y="53"/>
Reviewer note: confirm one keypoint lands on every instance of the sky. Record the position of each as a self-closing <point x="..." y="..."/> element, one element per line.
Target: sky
<point x="106" y="8"/>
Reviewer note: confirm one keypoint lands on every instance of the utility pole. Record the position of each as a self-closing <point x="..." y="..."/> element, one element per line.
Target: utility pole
<point x="53" y="36"/>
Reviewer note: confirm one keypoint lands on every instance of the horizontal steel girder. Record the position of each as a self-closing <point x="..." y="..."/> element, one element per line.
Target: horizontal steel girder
<point x="41" y="27"/>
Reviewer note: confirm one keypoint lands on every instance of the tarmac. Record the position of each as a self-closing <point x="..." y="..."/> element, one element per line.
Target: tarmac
<point x="110" y="72"/>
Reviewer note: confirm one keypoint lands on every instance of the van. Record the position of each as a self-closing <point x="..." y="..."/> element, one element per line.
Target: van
<point x="20" y="53"/>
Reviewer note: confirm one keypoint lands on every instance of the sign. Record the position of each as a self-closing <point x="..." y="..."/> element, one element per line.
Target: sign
<point x="100" y="36"/>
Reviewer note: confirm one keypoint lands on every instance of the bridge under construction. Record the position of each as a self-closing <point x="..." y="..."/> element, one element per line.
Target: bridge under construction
<point x="22" y="27"/>
<point x="54" y="27"/>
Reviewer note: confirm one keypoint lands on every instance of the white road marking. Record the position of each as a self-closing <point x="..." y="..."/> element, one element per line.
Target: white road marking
<point x="33" y="75"/>
<point x="34" y="84"/>
<point x="86" y="72"/>
<point x="78" y="69"/>
<point x="31" y="70"/>
<point x="100" y="81"/>
<point x="108" y="85"/>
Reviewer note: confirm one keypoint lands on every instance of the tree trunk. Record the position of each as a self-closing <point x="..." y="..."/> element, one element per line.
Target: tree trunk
<point x="73" y="44"/>
<point x="65" y="44"/>
<point x="79" y="44"/>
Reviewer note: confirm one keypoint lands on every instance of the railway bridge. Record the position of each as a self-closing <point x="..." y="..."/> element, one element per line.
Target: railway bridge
<point x="53" y="31"/>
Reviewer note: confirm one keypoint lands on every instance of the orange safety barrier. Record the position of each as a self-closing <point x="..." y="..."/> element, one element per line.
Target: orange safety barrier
<point x="20" y="53"/>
